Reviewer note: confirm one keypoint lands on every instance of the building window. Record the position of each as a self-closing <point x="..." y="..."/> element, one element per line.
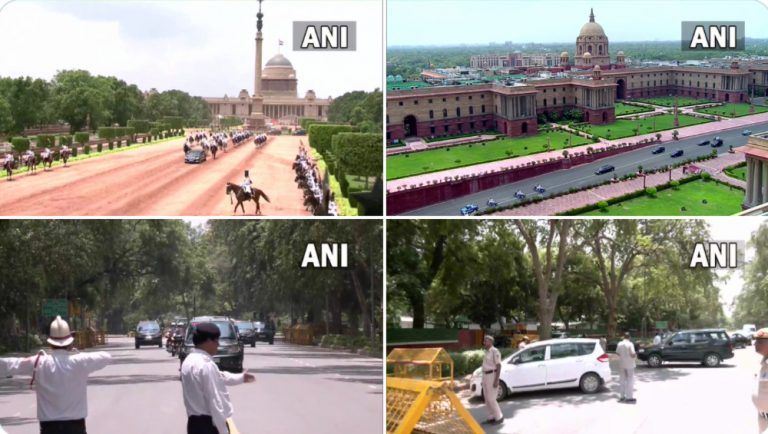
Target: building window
<point x="432" y="130"/>
<point x="471" y="125"/>
<point x="429" y="101"/>
<point x="471" y="110"/>
<point x="445" y="113"/>
<point x="563" y="100"/>
<point x="470" y="97"/>
<point x="554" y="101"/>
<point x="443" y="99"/>
<point x="387" y="118"/>
<point x="458" y="111"/>
<point x="482" y="108"/>
<point x="457" y="98"/>
<point x="545" y="102"/>
<point x="431" y="114"/>
<point x="575" y="101"/>
<point x="482" y="96"/>
<point x="415" y="102"/>
<point x="545" y="90"/>
<point x="400" y="103"/>
<point x="445" y="128"/>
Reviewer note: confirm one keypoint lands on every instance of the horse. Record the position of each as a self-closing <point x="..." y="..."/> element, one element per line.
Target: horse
<point x="214" y="149"/>
<point x="30" y="161"/>
<point x="47" y="161"/>
<point x="9" y="166"/>
<point x="65" y="154"/>
<point x="242" y="197"/>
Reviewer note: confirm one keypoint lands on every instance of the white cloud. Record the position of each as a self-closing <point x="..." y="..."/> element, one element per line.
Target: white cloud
<point x="204" y="48"/>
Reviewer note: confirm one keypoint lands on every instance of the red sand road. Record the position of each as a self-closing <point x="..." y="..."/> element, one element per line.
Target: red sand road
<point x="154" y="181"/>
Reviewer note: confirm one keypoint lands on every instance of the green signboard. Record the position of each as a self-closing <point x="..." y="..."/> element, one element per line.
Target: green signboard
<point x="661" y="325"/>
<point x="56" y="306"/>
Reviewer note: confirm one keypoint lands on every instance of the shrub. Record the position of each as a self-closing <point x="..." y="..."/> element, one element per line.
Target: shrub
<point x="706" y="176"/>
<point x="46" y="141"/>
<point x="74" y="151"/>
<point x="603" y="205"/>
<point x="358" y="153"/>
<point x="100" y="146"/>
<point x="139" y="126"/>
<point x="321" y="136"/>
<point x="65" y="140"/>
<point x="20" y="144"/>
<point x="86" y="149"/>
<point x="82" y="138"/>
<point x="675" y="184"/>
<point x="651" y="191"/>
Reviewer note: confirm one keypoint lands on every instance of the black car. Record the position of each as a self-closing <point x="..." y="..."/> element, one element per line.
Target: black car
<point x="246" y="332"/>
<point x="739" y="340"/>
<point x="229" y="356"/>
<point x="148" y="333"/>
<point x="718" y="142"/>
<point x="195" y="156"/>
<point x="604" y="169"/>
<point x="299" y="133"/>
<point x="703" y="143"/>
<point x="678" y="153"/>
<point x="659" y="150"/>
<point x="707" y="346"/>
<point x="265" y="332"/>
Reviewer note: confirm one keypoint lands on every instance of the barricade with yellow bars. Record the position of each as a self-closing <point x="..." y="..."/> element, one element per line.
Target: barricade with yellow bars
<point x="433" y="364"/>
<point x="419" y="406"/>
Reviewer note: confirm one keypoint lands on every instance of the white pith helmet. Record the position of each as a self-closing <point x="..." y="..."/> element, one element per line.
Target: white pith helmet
<point x="60" y="335"/>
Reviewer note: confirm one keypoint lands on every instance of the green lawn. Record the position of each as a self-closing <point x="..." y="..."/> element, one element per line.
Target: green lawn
<point x="625" y="127"/>
<point x="624" y="109"/>
<point x="669" y="101"/>
<point x="404" y="165"/>
<point x="721" y="200"/>
<point x="728" y="109"/>
<point x="738" y="172"/>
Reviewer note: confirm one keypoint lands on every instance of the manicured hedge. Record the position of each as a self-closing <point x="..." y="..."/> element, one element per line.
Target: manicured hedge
<point x="46" y="141"/>
<point x="307" y="122"/>
<point x="321" y="135"/>
<point x="174" y="122"/>
<point x="140" y="126"/>
<point x="359" y="153"/>
<point x="65" y="140"/>
<point x="82" y="138"/>
<point x="20" y="144"/>
<point x="107" y="133"/>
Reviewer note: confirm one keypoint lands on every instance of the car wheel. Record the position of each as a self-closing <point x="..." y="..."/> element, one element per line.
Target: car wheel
<point x="271" y="342"/>
<point x="589" y="383"/>
<point x="503" y="391"/>
<point x="711" y="360"/>
<point x="160" y="345"/>
<point x="654" y="361"/>
<point x="137" y="346"/>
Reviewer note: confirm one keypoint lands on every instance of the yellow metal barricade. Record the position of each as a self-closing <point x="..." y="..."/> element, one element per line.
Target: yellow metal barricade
<point x="426" y="407"/>
<point x="434" y="364"/>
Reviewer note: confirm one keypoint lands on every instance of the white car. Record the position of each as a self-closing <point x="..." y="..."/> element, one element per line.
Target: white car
<point x="551" y="364"/>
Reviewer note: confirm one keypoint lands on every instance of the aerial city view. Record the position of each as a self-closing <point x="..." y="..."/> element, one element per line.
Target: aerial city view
<point x="596" y="113"/>
<point x="154" y="118"/>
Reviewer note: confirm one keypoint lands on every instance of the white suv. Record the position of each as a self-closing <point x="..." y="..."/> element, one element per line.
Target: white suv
<point x="551" y="364"/>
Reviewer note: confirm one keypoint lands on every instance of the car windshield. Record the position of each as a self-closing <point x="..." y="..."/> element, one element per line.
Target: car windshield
<point x="244" y="325"/>
<point x="148" y="328"/>
<point x="225" y="328"/>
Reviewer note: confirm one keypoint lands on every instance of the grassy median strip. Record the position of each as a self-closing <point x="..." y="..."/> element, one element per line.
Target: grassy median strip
<point x="731" y="110"/>
<point x="626" y="109"/>
<point x="435" y="160"/>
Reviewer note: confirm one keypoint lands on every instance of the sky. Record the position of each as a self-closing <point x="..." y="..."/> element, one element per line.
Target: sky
<point x="454" y="22"/>
<point x="733" y="229"/>
<point x="205" y="48"/>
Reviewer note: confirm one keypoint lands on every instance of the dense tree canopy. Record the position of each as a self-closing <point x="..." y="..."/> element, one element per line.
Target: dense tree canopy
<point x="123" y="271"/>
<point x="616" y="274"/>
<point x="361" y="109"/>
<point x="752" y="303"/>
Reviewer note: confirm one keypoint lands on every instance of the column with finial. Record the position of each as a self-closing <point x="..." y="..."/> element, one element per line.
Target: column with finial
<point x="677" y="120"/>
<point x="259" y="40"/>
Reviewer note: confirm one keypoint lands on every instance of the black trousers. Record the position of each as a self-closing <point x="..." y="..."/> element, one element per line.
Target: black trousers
<point x="201" y="425"/>
<point x="63" y="427"/>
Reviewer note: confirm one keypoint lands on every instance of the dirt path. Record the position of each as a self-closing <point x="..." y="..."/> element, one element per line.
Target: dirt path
<point x="154" y="181"/>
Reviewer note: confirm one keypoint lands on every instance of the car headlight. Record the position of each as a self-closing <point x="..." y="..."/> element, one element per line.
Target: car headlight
<point x="234" y="349"/>
<point x="641" y="350"/>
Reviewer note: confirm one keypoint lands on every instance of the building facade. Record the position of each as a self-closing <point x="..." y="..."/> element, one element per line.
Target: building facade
<point x="275" y="96"/>
<point x="756" y="151"/>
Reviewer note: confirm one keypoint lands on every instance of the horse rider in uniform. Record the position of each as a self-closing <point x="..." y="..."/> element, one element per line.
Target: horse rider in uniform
<point x="206" y="399"/>
<point x="61" y="377"/>
<point x="760" y="394"/>
<point x="491" y="371"/>
<point x="8" y="159"/>
<point x="46" y="153"/>
<point x="247" y="183"/>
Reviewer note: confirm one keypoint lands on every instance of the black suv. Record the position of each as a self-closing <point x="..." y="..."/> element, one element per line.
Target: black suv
<point x="229" y="356"/>
<point x="265" y="331"/>
<point x="707" y="346"/>
<point x="246" y="333"/>
<point x="148" y="333"/>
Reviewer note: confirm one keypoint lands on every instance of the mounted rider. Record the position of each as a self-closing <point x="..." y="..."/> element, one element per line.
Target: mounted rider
<point x="247" y="183"/>
<point x="65" y="149"/>
<point x="29" y="154"/>
<point x="46" y="153"/>
<point x="8" y="160"/>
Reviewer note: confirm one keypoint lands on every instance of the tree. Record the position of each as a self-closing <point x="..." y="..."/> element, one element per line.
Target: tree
<point x="548" y="263"/>
<point x="752" y="303"/>
<point x="6" y="117"/>
<point x="81" y="99"/>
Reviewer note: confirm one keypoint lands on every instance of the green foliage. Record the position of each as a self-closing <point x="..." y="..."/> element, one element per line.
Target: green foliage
<point x="321" y="135"/>
<point x="108" y="133"/>
<point x="100" y="146"/>
<point x="675" y="184"/>
<point x="82" y="138"/>
<point x="6" y="116"/>
<point x="602" y="204"/>
<point x="174" y="122"/>
<point x="361" y="109"/>
<point x="358" y="153"/>
<point x="140" y="126"/>
<point x="231" y="122"/>
<point x="20" y="144"/>
<point x="706" y="176"/>
<point x="651" y="191"/>
<point x="65" y="140"/>
<point x="87" y="149"/>
<point x="46" y="141"/>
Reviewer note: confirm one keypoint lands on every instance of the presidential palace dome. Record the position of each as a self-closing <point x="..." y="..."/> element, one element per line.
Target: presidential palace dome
<point x="279" y="67"/>
<point x="592" y="40"/>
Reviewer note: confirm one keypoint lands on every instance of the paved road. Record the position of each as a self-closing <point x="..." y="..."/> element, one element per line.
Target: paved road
<point x="584" y="175"/>
<point x="677" y="398"/>
<point x="154" y="181"/>
<point x="297" y="390"/>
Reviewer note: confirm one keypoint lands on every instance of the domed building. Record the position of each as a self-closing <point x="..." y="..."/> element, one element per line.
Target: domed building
<point x="275" y="98"/>
<point x="592" y="40"/>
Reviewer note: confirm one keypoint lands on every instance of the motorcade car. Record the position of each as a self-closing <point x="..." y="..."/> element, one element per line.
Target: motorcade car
<point x="739" y="339"/>
<point x="552" y="364"/>
<point x="195" y="156"/>
<point x="678" y="153"/>
<point x="746" y="132"/>
<point x="148" y="333"/>
<point x="703" y="143"/>
<point x="265" y="331"/>
<point x="658" y="150"/>
<point x="717" y="142"/>
<point x="706" y="346"/>
<point x="230" y="353"/>
<point x="469" y="209"/>
<point x="604" y="169"/>
<point x="246" y="332"/>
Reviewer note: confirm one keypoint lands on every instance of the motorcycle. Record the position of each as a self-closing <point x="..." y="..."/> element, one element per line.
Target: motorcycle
<point x="176" y="341"/>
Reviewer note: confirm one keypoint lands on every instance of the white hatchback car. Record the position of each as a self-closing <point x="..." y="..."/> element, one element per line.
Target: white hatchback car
<point x="551" y="364"/>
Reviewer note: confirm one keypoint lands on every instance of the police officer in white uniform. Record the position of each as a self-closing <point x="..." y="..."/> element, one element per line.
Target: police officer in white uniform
<point x="60" y="380"/>
<point x="626" y="352"/>
<point x="760" y="395"/>
<point x="491" y="371"/>
<point x="205" y="387"/>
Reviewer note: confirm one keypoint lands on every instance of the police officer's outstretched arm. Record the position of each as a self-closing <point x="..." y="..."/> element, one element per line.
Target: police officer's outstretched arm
<point x="212" y="394"/>
<point x="17" y="366"/>
<point x="93" y="361"/>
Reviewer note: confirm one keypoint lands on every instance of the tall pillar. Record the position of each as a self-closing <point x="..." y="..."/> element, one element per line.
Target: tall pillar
<point x="750" y="175"/>
<point x="764" y="187"/>
<point x="259" y="40"/>
<point x="756" y="196"/>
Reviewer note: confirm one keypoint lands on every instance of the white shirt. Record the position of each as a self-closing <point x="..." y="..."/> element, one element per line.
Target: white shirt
<point x="60" y="382"/>
<point x="656" y="340"/>
<point x="491" y="358"/>
<point x="204" y="388"/>
<point x="626" y="351"/>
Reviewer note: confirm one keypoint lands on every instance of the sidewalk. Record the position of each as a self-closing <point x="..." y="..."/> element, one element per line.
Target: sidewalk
<point x="666" y="136"/>
<point x="568" y="202"/>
